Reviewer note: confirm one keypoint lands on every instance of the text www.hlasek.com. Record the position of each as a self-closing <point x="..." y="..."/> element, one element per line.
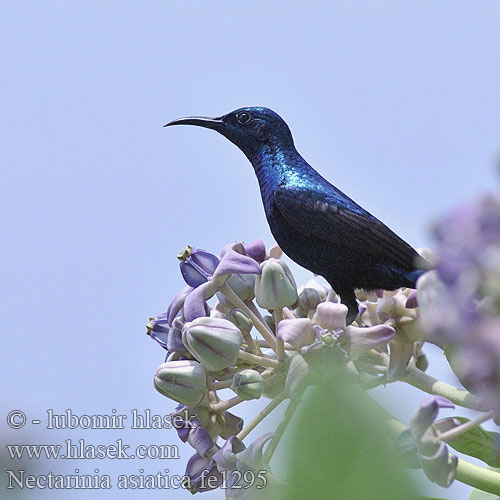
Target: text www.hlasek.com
<point x="81" y="450"/>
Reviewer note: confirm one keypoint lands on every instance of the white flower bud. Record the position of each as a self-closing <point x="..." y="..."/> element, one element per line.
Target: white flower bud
<point x="182" y="381"/>
<point x="275" y="288"/>
<point x="214" y="342"/>
<point x="248" y="384"/>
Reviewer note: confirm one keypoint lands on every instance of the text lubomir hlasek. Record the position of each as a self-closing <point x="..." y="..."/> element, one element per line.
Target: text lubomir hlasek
<point x="135" y="420"/>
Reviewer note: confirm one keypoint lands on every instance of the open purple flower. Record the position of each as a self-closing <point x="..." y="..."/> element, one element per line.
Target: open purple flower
<point x="439" y="466"/>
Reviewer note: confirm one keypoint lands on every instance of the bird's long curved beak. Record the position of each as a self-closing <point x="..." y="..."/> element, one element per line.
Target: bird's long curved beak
<point x="199" y="121"/>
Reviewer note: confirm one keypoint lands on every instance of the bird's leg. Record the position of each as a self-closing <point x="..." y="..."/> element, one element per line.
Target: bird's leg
<point x="348" y="298"/>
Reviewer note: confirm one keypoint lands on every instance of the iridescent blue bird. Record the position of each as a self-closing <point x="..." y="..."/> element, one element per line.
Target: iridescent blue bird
<point x="314" y="223"/>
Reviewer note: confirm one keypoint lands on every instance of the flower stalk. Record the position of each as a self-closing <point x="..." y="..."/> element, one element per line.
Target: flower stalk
<point x="455" y="432"/>
<point x="262" y="328"/>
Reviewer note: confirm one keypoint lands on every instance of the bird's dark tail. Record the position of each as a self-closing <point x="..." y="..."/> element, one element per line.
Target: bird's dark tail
<point x="413" y="276"/>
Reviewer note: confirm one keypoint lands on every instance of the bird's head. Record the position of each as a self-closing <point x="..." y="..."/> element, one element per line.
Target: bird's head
<point x="249" y="128"/>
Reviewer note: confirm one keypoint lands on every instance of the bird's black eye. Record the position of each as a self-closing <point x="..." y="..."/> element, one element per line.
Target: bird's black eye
<point x="243" y="117"/>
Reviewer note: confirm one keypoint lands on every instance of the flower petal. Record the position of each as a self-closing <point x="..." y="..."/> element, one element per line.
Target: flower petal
<point x="232" y="425"/>
<point x="225" y="457"/>
<point x="177" y="302"/>
<point x="401" y="352"/>
<point x="200" y="472"/>
<point x="200" y="440"/>
<point x="252" y="456"/>
<point x="426" y="414"/>
<point x="297" y="332"/>
<point x="441" y="467"/>
<point x="235" y="263"/>
<point x="412" y="300"/>
<point x="363" y="339"/>
<point x="195" y="305"/>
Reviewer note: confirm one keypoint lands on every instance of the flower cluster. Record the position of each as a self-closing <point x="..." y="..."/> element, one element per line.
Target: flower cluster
<point x="465" y="291"/>
<point x="217" y="338"/>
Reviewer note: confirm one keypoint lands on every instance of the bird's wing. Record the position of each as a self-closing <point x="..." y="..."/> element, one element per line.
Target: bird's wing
<point x="337" y="219"/>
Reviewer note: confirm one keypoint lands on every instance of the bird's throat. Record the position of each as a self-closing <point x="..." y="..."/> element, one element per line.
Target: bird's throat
<point x="274" y="165"/>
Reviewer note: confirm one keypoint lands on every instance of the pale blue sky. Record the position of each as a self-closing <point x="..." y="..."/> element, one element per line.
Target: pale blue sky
<point x="396" y="103"/>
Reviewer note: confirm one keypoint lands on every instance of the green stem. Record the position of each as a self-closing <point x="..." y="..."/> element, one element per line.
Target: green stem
<point x="456" y="431"/>
<point x="287" y="346"/>
<point x="222" y="406"/>
<point x="261" y="416"/>
<point x="477" y="477"/>
<point x="431" y="385"/>
<point x="258" y="360"/>
<point x="258" y="323"/>
<point x="223" y="384"/>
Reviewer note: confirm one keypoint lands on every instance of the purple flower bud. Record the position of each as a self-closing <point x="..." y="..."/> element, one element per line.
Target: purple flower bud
<point x="197" y="266"/>
<point x="256" y="250"/>
<point x="330" y="315"/>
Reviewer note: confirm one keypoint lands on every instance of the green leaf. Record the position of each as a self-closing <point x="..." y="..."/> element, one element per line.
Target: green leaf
<point x="482" y="495"/>
<point x="478" y="443"/>
<point x="337" y="449"/>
